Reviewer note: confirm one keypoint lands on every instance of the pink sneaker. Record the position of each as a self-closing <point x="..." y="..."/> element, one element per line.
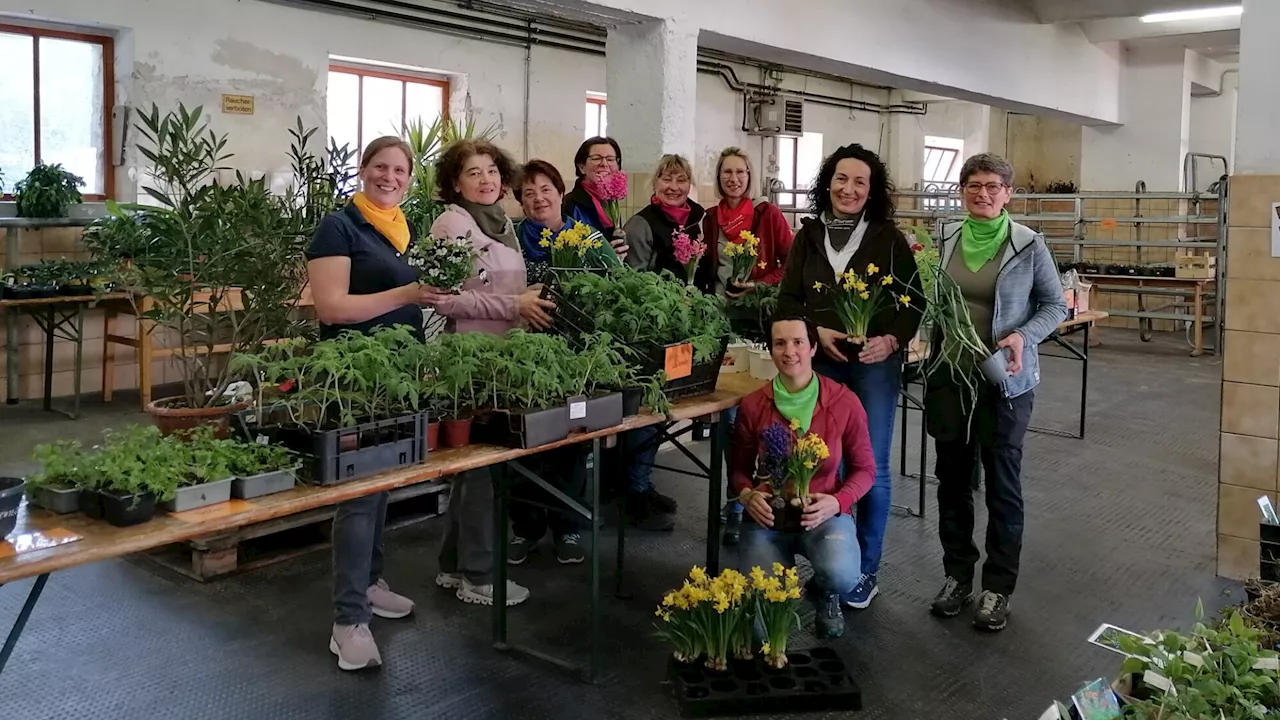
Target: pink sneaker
<point x="386" y="604"/>
<point x="354" y="646"/>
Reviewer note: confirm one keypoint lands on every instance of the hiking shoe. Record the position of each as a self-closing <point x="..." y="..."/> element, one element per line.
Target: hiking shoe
<point x="449" y="581"/>
<point x="643" y="513"/>
<point x="354" y="646"/>
<point x="386" y="604"/>
<point x="993" y="611"/>
<point x="659" y="502"/>
<point x="568" y="549"/>
<point x="517" y="550"/>
<point x="829" y="618"/>
<point x="952" y="598"/>
<point x="862" y="594"/>
<point x="483" y="594"/>
<point x="732" y="528"/>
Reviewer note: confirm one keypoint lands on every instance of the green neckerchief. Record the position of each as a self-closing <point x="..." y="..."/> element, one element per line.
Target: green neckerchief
<point x="798" y="406"/>
<point x="980" y="239"/>
<point x="493" y="221"/>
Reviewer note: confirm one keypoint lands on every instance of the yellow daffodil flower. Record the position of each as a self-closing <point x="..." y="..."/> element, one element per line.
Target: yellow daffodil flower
<point x="905" y="299"/>
<point x="886" y="280"/>
<point x="766" y="649"/>
<point x="795" y="425"/>
<point x="762" y="265"/>
<point x="872" y="269"/>
<point x="865" y="295"/>
<point x="817" y="286"/>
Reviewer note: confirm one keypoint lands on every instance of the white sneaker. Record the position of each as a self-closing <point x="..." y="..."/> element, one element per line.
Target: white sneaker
<point x="386" y="604"/>
<point x="483" y="594"/>
<point x="449" y="581"/>
<point x="354" y="646"/>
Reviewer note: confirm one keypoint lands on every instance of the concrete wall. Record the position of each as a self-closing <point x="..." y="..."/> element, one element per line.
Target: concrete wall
<point x="1213" y="130"/>
<point x="1044" y="150"/>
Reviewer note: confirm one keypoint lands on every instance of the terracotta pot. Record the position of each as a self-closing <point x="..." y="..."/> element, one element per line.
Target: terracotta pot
<point x="169" y="415"/>
<point x="433" y="435"/>
<point x="456" y="433"/>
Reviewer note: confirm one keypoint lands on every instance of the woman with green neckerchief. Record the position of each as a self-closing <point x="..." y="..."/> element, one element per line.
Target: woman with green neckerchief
<point x="1011" y="286"/>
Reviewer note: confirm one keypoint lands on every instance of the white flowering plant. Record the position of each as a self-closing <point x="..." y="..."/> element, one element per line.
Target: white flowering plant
<point x="445" y="263"/>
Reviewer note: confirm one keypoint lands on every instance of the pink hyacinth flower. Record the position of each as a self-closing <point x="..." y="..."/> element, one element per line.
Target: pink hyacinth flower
<point x="612" y="185"/>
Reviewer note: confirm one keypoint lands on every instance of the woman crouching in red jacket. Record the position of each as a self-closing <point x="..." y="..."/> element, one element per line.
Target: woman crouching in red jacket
<point x="818" y="405"/>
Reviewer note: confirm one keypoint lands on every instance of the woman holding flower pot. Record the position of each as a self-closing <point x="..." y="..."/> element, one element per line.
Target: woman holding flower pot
<point x="1003" y="285"/>
<point x="761" y="236"/>
<point x="600" y="187"/>
<point x="473" y="176"/>
<point x="360" y="281"/>
<point x="799" y="412"/>
<point x="542" y="199"/>
<point x="844" y="266"/>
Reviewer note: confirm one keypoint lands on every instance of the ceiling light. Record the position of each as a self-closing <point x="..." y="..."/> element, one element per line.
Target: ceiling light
<point x="1201" y="14"/>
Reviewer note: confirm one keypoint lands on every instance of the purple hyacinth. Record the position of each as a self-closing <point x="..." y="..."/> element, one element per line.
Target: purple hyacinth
<point x="777" y="440"/>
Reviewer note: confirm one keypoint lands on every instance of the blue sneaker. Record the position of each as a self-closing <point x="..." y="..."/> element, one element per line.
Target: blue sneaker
<point x="860" y="597"/>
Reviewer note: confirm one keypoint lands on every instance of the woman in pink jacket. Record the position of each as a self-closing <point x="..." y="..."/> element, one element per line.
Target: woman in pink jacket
<point x="473" y="176"/>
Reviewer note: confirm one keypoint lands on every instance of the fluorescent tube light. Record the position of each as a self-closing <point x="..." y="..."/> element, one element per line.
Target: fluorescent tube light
<point x="1201" y="14"/>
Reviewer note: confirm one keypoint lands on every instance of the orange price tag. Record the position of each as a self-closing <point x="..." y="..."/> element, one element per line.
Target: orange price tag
<point x="217" y="510"/>
<point x="28" y="542"/>
<point x="1108" y="224"/>
<point x="679" y="361"/>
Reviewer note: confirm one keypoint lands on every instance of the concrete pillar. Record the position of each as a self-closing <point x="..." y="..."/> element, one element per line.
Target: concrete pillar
<point x="1155" y="107"/>
<point x="651" y="74"/>
<point x="1251" y="359"/>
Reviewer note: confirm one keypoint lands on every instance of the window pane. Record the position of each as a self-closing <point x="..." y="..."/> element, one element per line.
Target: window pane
<point x="787" y="162"/>
<point x="71" y="107"/>
<point x="592" y="121"/>
<point x="808" y="160"/>
<point x="17" y="109"/>
<point x="424" y="102"/>
<point x="382" y="110"/>
<point x="344" y="109"/>
<point x="932" y="157"/>
<point x="604" y="121"/>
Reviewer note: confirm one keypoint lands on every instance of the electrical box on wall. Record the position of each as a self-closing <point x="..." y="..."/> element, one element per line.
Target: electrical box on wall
<point x="775" y="115"/>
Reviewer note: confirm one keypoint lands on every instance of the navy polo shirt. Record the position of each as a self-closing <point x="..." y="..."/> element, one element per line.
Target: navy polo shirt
<point x="376" y="266"/>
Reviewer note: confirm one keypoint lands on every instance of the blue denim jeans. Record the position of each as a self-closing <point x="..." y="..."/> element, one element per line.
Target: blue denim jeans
<point x="877" y="386"/>
<point x="640" y="470"/>
<point x="831" y="548"/>
<point x="731" y="419"/>
<point x="357" y="556"/>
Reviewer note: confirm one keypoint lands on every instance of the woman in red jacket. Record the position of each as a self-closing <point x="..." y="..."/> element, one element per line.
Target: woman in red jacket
<point x="816" y="404"/>
<point x="737" y="213"/>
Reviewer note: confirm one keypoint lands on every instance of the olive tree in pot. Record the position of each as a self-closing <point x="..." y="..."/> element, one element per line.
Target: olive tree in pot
<point x="218" y="269"/>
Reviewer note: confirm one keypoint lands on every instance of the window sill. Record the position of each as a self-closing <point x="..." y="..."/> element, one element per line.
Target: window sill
<point x="90" y="210"/>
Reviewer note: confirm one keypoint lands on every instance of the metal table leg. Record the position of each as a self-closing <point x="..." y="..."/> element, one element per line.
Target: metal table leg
<point x="1083" y="358"/>
<point x="1084" y="380"/>
<point x="716" y="476"/>
<point x="21" y="623"/>
<point x="12" y="391"/>
<point x="48" y="358"/>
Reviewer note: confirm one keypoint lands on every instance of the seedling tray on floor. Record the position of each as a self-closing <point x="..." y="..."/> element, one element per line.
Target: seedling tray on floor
<point x="815" y="680"/>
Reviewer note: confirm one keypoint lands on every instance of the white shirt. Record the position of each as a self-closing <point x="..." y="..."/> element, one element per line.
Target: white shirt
<point x="839" y="259"/>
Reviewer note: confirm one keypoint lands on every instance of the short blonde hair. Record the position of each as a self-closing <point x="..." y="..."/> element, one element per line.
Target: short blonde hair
<point x="386" y="141"/>
<point x="738" y="153"/>
<point x="670" y="164"/>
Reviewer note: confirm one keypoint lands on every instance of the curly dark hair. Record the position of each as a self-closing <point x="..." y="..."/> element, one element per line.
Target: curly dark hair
<point x="879" y="205"/>
<point x="449" y="166"/>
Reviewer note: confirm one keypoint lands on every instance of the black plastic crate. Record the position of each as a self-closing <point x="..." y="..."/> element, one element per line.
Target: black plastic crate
<point x="815" y="680"/>
<point x="1269" y="551"/>
<point x="522" y="429"/>
<point x="329" y="457"/>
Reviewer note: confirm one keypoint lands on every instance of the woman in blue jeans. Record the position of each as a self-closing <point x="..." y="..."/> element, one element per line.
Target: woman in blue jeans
<point x="853" y="229"/>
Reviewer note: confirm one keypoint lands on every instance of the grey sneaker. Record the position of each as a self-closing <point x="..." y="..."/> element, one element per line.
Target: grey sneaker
<point x="354" y="646"/>
<point x="517" y="550"/>
<point x="829" y="617"/>
<point x="952" y="598"/>
<point x="449" y="581"/>
<point x="993" y="611"/>
<point x="386" y="604"/>
<point x="483" y="594"/>
<point x="568" y="549"/>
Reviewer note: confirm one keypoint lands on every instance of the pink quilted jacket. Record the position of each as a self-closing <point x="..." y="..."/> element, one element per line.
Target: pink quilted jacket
<point x="480" y="307"/>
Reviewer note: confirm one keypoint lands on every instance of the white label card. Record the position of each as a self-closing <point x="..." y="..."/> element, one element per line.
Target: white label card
<point x="577" y="410"/>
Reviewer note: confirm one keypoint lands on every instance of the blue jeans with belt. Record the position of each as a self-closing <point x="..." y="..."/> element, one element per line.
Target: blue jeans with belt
<point x="831" y="548"/>
<point x="877" y="386"/>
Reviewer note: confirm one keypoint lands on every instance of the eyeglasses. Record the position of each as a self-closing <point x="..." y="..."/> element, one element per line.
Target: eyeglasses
<point x="991" y="188"/>
<point x="602" y="159"/>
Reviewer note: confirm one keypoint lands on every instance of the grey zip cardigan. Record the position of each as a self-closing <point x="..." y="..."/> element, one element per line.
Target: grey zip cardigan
<point x="1029" y="298"/>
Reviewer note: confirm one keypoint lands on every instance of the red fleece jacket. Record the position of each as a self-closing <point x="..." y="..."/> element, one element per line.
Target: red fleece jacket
<point x="770" y="227"/>
<point x="838" y="419"/>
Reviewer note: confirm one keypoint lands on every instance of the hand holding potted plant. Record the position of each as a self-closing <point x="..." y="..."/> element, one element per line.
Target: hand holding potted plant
<point x="742" y="254"/>
<point x="794" y="459"/>
<point x="578" y="246"/>
<point x="445" y="263"/>
<point x="857" y="298"/>
<point x="688" y="253"/>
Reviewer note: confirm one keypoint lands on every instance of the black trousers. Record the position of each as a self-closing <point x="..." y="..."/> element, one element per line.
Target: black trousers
<point x="992" y="437"/>
<point x="564" y="467"/>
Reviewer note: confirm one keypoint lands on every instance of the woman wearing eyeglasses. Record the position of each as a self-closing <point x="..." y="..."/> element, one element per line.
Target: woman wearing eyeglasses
<point x="1014" y="295"/>
<point x="596" y="157"/>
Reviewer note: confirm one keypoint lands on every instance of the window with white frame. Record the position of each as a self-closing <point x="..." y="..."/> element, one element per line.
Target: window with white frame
<point x="365" y="104"/>
<point x="798" y="162"/>
<point x="597" y="118"/>
<point x="55" y="105"/>
<point x="941" y="160"/>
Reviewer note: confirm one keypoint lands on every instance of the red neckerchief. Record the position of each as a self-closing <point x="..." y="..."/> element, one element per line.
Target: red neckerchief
<point x="594" y="194"/>
<point x="734" y="220"/>
<point x="678" y="215"/>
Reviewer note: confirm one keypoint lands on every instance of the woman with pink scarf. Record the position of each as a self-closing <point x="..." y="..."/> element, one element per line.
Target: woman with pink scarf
<point x="600" y="186"/>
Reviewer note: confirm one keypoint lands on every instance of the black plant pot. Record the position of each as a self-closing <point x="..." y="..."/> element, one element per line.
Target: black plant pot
<point x="850" y="348"/>
<point x="127" y="510"/>
<point x="11" y="489"/>
<point x="632" y="399"/>
<point x="91" y="504"/>
<point x="786" y="517"/>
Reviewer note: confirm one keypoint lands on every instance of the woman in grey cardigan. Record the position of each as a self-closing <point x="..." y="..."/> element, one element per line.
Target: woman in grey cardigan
<point x="1011" y="285"/>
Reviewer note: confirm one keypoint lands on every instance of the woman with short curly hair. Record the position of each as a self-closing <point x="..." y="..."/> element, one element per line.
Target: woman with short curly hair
<point x="853" y="229"/>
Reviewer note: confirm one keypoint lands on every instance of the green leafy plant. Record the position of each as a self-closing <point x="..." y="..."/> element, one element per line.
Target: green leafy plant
<point x="64" y="465"/>
<point x="750" y="314"/>
<point x="422" y="203"/>
<point x="47" y="191"/>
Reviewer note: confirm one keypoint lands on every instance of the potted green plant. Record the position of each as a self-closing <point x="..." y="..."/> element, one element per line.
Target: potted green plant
<point x="135" y="467"/>
<point x="64" y="466"/>
<point x="205" y="463"/>
<point x="217" y="268"/>
<point x="47" y="192"/>
<point x="262" y="470"/>
<point x="11" y="490"/>
<point x="456" y="380"/>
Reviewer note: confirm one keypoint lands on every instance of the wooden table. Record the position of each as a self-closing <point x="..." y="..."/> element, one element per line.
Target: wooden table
<point x="1200" y="290"/>
<point x="58" y="317"/>
<point x="101" y="541"/>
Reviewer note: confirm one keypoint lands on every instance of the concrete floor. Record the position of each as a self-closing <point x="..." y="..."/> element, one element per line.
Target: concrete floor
<point x="1120" y="528"/>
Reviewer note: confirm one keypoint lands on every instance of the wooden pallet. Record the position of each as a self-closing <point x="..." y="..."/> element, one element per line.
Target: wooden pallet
<point x="288" y="537"/>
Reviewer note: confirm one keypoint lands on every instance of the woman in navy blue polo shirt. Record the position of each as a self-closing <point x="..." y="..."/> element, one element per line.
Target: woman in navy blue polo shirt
<point x="360" y="281"/>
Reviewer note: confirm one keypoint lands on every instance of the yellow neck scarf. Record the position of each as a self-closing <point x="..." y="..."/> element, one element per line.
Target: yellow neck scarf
<point x="390" y="223"/>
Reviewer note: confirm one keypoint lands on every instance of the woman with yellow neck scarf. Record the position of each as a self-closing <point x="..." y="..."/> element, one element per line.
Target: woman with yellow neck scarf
<point x="360" y="281"/>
